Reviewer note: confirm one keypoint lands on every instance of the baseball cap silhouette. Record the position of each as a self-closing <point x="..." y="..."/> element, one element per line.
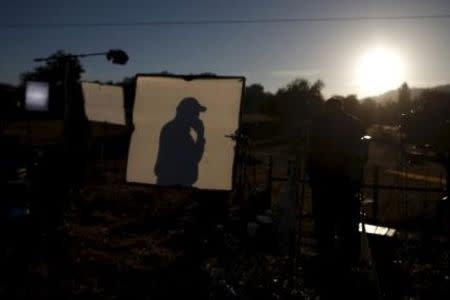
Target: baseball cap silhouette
<point x="190" y="104"/>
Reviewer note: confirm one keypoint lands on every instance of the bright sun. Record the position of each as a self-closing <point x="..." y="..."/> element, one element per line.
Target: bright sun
<point x="378" y="71"/>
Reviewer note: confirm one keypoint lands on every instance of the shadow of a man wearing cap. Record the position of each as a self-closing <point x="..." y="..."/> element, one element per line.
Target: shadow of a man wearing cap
<point x="179" y="152"/>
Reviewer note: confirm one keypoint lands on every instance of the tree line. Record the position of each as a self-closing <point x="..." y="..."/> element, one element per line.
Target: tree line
<point x="421" y="116"/>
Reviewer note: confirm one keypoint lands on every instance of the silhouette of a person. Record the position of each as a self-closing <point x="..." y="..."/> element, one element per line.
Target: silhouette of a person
<point x="179" y="152"/>
<point x="442" y="145"/>
<point x="337" y="154"/>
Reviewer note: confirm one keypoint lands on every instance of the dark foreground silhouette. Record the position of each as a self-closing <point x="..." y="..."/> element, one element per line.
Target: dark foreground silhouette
<point x="334" y="169"/>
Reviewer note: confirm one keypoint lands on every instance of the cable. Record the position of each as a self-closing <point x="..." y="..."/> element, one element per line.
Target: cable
<point x="227" y="21"/>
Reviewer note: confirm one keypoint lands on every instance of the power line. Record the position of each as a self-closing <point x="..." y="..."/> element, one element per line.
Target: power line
<point x="227" y="21"/>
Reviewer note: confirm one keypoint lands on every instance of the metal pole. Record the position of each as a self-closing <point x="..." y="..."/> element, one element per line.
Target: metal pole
<point x="90" y="54"/>
<point x="269" y="181"/>
<point x="66" y="92"/>
<point x="375" y="194"/>
<point x="70" y="56"/>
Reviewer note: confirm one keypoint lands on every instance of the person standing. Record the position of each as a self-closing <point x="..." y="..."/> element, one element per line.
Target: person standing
<point x="337" y="154"/>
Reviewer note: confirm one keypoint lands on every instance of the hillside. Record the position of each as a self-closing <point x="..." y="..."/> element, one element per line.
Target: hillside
<point x="415" y="93"/>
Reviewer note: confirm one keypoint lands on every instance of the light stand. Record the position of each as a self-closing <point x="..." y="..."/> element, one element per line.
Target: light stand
<point x="116" y="56"/>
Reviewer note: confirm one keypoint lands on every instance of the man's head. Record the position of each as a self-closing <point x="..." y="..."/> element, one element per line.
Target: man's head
<point x="189" y="108"/>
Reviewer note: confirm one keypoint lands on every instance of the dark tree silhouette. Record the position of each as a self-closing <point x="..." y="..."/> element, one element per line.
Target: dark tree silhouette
<point x="404" y="98"/>
<point x="400" y="102"/>
<point x="54" y="72"/>
<point x="63" y="72"/>
<point x="424" y="124"/>
<point x="369" y="112"/>
<point x="298" y="102"/>
<point x="366" y="110"/>
<point x="429" y="123"/>
<point x="352" y="105"/>
<point x="255" y="99"/>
